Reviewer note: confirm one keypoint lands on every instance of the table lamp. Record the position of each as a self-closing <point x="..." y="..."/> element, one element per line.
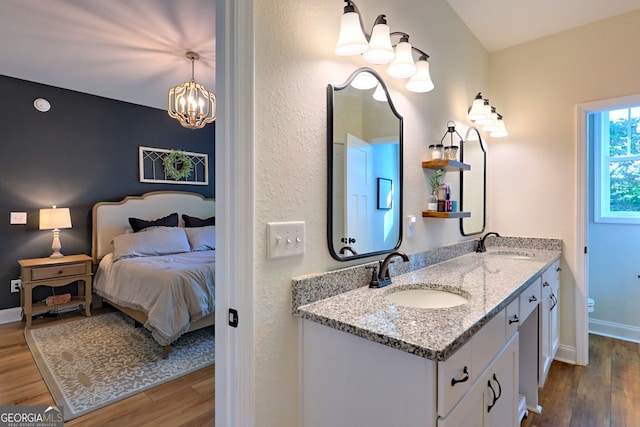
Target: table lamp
<point x="55" y="219"/>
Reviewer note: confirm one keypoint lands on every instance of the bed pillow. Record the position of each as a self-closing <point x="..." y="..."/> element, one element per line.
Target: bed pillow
<point x="192" y="221"/>
<point x="149" y="242"/>
<point x="140" y="224"/>
<point x="202" y="238"/>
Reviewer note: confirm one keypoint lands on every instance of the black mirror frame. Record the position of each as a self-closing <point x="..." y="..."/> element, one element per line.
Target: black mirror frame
<point x="330" y="99"/>
<point x="484" y="182"/>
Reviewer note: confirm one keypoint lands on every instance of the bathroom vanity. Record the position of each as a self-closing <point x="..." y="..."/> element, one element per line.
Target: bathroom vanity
<point x="367" y="361"/>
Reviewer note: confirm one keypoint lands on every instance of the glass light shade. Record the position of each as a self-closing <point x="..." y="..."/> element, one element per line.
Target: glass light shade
<point x="500" y="131"/>
<point x="420" y="82"/>
<point x="380" y="49"/>
<point x="192" y="105"/>
<point x="55" y="218"/>
<point x="379" y="94"/>
<point x="351" y="40"/>
<point x="490" y="124"/>
<point x="402" y="66"/>
<point x="364" y="81"/>
<point x="478" y="111"/>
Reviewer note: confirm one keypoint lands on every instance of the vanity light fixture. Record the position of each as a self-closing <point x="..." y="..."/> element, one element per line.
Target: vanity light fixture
<point x="191" y="103"/>
<point x="55" y="219"/>
<point x="484" y="115"/>
<point x="378" y="49"/>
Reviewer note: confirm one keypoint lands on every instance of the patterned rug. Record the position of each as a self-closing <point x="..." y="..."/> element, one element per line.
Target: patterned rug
<point x="93" y="362"/>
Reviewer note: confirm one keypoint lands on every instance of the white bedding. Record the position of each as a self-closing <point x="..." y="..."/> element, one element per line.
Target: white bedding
<point x="172" y="290"/>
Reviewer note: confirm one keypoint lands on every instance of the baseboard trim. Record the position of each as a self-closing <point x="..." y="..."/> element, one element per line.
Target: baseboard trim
<point x="566" y="354"/>
<point x="614" y="330"/>
<point x="9" y="315"/>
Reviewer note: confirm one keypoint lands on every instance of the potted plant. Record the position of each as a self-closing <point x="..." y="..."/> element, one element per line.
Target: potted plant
<point x="436" y="182"/>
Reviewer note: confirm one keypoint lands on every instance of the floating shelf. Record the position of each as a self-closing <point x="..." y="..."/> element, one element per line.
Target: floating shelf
<point x="434" y="214"/>
<point x="447" y="165"/>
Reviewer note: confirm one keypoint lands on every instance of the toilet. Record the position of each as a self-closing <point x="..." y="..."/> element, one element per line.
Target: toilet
<point x="591" y="305"/>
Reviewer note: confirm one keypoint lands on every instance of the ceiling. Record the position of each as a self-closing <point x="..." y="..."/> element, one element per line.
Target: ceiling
<point x="134" y="50"/>
<point x="499" y="24"/>
<point x="130" y="50"/>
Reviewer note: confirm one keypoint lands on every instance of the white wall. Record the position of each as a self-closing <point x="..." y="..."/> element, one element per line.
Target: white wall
<point x="533" y="171"/>
<point x="294" y="62"/>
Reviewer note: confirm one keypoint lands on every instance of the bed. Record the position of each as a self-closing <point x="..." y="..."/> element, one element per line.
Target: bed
<point x="154" y="260"/>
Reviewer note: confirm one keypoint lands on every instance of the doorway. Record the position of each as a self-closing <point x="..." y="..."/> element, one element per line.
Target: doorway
<point x="596" y="225"/>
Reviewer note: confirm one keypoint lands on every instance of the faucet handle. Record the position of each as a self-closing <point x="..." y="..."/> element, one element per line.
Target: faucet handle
<point x="374" y="283"/>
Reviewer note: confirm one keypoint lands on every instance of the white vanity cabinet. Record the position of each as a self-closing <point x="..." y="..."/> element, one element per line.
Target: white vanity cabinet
<point x="350" y="381"/>
<point x="549" y="327"/>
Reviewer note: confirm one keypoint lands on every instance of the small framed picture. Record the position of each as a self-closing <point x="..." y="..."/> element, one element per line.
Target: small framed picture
<point x="385" y="193"/>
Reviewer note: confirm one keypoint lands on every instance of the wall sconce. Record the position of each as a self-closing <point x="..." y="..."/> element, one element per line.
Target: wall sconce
<point x="191" y="103"/>
<point x="378" y="49"/>
<point x="55" y="219"/>
<point x="483" y="114"/>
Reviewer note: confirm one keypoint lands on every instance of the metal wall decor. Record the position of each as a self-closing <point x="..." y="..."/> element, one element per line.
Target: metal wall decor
<point x="153" y="170"/>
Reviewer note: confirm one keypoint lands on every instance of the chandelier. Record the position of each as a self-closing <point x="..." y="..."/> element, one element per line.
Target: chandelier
<point x="191" y="103"/>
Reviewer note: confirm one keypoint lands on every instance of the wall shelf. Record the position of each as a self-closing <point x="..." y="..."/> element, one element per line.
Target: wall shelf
<point x="434" y="214"/>
<point x="447" y="165"/>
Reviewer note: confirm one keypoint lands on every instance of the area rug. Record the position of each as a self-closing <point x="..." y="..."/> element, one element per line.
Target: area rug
<point x="93" y="362"/>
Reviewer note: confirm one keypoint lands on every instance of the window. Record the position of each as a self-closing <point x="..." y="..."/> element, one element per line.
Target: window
<point x="616" y="137"/>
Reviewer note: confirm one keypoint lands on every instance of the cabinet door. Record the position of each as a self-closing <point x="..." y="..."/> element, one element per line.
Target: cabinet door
<point x="468" y="412"/>
<point x="501" y="396"/>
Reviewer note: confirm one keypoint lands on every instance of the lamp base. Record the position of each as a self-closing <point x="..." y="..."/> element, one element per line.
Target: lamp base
<point x="56" y="254"/>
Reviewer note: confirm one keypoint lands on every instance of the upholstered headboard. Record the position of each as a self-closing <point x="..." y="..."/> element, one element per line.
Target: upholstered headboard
<point x="112" y="218"/>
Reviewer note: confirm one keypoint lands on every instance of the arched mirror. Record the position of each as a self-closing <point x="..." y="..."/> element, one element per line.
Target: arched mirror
<point x="473" y="183"/>
<point x="364" y="148"/>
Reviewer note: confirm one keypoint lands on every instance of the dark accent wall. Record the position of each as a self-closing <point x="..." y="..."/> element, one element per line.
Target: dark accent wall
<point x="83" y="151"/>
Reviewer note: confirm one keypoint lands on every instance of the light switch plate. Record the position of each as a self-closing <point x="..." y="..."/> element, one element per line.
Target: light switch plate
<point x="18" y="218"/>
<point x="285" y="239"/>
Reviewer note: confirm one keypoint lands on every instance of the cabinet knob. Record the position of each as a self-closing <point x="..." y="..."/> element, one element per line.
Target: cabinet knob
<point x="60" y="271"/>
<point x="545" y="284"/>
<point x="533" y="298"/>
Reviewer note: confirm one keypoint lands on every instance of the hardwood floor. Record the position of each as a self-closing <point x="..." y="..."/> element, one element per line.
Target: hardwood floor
<point x="186" y="401"/>
<point x="603" y="394"/>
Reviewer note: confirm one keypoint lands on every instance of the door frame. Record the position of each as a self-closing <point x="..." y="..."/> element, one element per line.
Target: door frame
<point x="234" y="183"/>
<point x="582" y="223"/>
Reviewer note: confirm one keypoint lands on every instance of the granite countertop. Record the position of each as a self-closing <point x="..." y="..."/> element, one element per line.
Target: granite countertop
<point x="490" y="281"/>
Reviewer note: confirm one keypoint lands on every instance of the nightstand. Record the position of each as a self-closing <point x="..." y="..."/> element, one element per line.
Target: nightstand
<point x="55" y="272"/>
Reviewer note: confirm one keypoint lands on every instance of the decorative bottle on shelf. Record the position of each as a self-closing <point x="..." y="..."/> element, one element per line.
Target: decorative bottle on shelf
<point x="432" y="205"/>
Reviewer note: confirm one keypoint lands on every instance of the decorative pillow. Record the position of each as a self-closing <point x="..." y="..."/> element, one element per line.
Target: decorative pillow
<point x="153" y="241"/>
<point x="192" y="221"/>
<point x="202" y="238"/>
<point x="140" y="224"/>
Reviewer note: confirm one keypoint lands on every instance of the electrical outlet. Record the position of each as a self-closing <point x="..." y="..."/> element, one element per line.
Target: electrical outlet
<point x="16" y="284"/>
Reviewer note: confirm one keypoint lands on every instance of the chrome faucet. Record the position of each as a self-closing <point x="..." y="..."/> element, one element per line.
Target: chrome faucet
<point x="383" y="278"/>
<point x="481" y="245"/>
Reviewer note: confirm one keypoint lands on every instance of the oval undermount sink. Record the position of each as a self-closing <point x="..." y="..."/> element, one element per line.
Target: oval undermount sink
<point x="426" y="298"/>
<point x="511" y="254"/>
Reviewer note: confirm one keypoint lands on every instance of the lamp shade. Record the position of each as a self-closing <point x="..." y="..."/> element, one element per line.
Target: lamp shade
<point x="421" y="81"/>
<point x="380" y="49"/>
<point x="402" y="66"/>
<point x="55" y="218"/>
<point x="364" y="81"/>
<point x="379" y="94"/>
<point x="478" y="110"/>
<point x="501" y="129"/>
<point x="351" y="40"/>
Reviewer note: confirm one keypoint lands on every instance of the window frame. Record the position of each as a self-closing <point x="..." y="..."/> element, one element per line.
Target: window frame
<point x="602" y="164"/>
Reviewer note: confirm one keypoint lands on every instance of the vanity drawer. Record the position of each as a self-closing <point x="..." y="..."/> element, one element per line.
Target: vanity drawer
<point x="530" y="298"/>
<point x="513" y="317"/>
<point x="457" y="374"/>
